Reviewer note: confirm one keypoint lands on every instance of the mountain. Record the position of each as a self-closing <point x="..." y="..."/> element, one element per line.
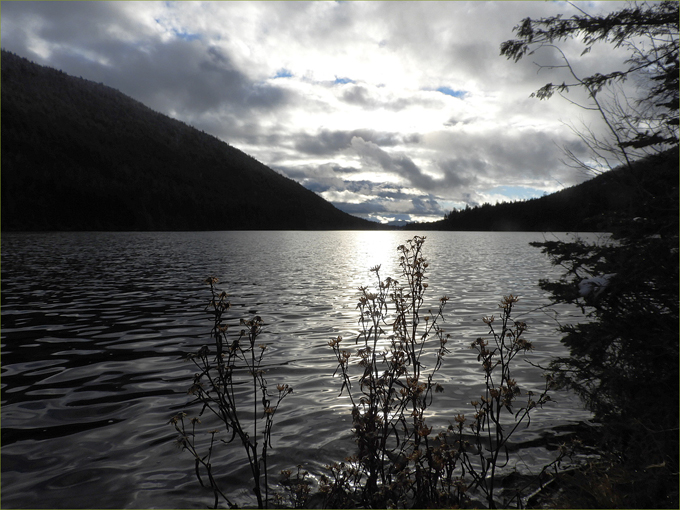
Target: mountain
<point x="596" y="205"/>
<point x="78" y="155"/>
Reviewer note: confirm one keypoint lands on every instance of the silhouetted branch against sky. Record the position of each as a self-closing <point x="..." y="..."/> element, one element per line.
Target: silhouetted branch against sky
<point x="387" y="109"/>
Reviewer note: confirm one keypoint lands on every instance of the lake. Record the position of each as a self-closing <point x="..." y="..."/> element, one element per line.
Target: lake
<point x="95" y="327"/>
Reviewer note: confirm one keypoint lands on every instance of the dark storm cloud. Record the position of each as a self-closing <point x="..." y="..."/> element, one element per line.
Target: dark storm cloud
<point x="327" y="142"/>
<point x="380" y="190"/>
<point x="323" y="143"/>
<point x="365" y="198"/>
<point x="454" y="121"/>
<point x="71" y="23"/>
<point x="453" y="177"/>
<point x="364" y="209"/>
<point x="462" y="170"/>
<point x="326" y="169"/>
<point x="526" y="157"/>
<point x="319" y="178"/>
<point x="400" y="165"/>
<point x="344" y="169"/>
<point x="372" y="98"/>
<point x="181" y="74"/>
<point x="391" y="204"/>
<point x="232" y="86"/>
<point x="428" y="205"/>
<point x="531" y="156"/>
<point x="316" y="187"/>
<point x="460" y="173"/>
<point x="186" y="77"/>
<point x="358" y="95"/>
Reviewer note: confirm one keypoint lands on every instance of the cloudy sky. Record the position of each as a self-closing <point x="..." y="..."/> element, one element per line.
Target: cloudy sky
<point x="389" y="110"/>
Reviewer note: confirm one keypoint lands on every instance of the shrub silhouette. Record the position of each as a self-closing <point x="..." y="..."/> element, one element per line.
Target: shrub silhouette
<point x="389" y="377"/>
<point x="401" y="461"/>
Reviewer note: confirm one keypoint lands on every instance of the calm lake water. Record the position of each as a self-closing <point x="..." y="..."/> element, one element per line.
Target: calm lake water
<point x="95" y="326"/>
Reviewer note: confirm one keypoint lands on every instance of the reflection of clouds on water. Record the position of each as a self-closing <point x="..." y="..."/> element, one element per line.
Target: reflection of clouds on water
<point x="126" y="307"/>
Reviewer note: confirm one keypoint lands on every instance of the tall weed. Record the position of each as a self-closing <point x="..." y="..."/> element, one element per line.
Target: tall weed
<point x="221" y="371"/>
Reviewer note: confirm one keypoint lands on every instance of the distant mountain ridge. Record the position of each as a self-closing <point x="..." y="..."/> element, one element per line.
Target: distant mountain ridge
<point x="77" y="155"/>
<point x="596" y="205"/>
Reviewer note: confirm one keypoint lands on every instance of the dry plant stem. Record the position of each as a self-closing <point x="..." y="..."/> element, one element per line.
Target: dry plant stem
<point x="186" y="441"/>
<point x="501" y="393"/>
<point x="214" y="388"/>
<point x="394" y="393"/>
<point x="400" y="462"/>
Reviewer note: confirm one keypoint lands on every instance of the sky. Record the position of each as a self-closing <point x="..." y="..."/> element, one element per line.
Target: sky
<point x="392" y="111"/>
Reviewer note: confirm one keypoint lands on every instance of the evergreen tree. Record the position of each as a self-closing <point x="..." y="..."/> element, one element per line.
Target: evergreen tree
<point x="638" y="126"/>
<point x="624" y="358"/>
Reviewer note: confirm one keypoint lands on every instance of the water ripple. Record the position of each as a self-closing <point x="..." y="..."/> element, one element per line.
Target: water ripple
<point x="95" y="327"/>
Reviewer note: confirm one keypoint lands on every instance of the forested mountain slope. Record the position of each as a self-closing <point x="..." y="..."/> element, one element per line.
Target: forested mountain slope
<point x="77" y="155"/>
<point x="596" y="205"/>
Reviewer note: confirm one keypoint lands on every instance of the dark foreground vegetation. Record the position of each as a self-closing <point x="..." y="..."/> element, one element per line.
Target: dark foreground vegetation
<point x="78" y="155"/>
<point x="388" y="374"/>
<point x="624" y="357"/>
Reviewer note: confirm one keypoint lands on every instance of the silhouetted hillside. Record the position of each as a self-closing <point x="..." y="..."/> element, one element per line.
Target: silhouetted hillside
<point x="592" y="206"/>
<point x="77" y="155"/>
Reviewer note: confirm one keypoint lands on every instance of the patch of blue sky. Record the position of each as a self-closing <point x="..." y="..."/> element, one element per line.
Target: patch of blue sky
<point x="342" y="81"/>
<point x="186" y="35"/>
<point x="283" y="73"/>
<point x="451" y="92"/>
<point x="517" y="192"/>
